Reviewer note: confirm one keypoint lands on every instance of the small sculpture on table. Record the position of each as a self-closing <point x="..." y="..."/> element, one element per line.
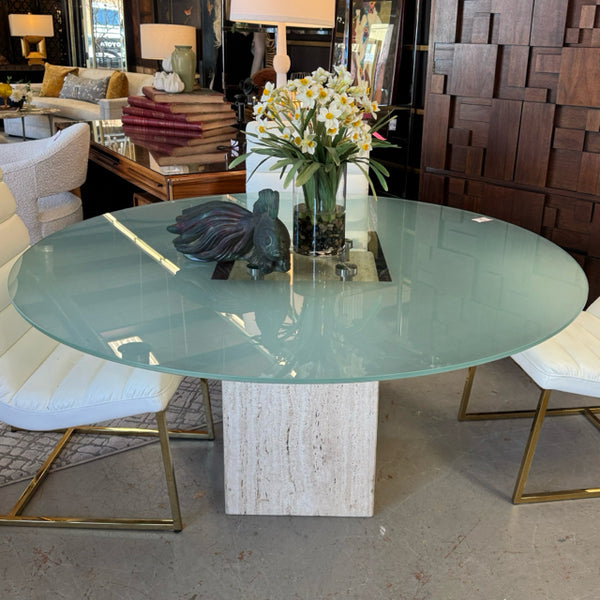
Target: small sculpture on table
<point x="224" y="231"/>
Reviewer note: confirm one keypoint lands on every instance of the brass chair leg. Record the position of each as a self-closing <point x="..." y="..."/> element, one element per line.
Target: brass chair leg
<point x="521" y="498"/>
<point x="15" y="517"/>
<point x="538" y="415"/>
<point x="534" y="434"/>
<point x="165" y="449"/>
<point x="465" y="415"/>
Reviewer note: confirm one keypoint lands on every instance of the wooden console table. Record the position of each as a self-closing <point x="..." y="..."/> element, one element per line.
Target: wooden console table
<point x="112" y="152"/>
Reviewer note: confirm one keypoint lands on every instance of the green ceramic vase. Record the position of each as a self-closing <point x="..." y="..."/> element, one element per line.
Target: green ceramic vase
<point x="183" y="62"/>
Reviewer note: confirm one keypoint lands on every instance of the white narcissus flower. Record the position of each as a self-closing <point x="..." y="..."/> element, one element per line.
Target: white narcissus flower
<point x="267" y="91"/>
<point x="308" y="143"/>
<point x="262" y="129"/>
<point x="259" y="109"/>
<point x="329" y="115"/>
<point x="365" y="143"/>
<point x="307" y="95"/>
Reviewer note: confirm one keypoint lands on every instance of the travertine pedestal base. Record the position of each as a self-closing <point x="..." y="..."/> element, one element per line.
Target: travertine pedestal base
<point x="300" y="449"/>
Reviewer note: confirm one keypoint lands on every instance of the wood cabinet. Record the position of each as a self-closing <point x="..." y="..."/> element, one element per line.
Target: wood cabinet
<point x="512" y="117"/>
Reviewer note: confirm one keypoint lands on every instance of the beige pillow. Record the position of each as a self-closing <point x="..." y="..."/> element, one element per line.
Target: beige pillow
<point x="54" y="77"/>
<point x="118" y="86"/>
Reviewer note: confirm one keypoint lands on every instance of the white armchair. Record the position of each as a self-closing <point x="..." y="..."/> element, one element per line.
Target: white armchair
<point x="41" y="175"/>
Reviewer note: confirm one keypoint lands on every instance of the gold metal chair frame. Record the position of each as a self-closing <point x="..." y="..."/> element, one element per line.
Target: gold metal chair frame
<point x="542" y="410"/>
<point x="175" y="523"/>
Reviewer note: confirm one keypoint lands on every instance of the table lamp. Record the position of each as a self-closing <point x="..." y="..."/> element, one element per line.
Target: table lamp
<point x="158" y="40"/>
<point x="306" y="13"/>
<point x="32" y="29"/>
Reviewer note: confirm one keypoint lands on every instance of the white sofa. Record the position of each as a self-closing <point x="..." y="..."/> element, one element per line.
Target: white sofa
<point x="76" y="110"/>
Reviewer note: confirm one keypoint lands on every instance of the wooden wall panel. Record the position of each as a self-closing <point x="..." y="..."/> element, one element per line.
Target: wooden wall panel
<point x="549" y="19"/>
<point x="473" y="70"/>
<point x="578" y="83"/>
<point x="436" y="130"/>
<point x="503" y="136"/>
<point x="515" y="87"/>
<point x="535" y="137"/>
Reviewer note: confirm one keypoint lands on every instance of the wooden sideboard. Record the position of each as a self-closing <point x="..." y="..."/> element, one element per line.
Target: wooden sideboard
<point x="120" y="172"/>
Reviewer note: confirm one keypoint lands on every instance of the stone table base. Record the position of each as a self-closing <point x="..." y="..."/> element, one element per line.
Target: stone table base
<point x="300" y="449"/>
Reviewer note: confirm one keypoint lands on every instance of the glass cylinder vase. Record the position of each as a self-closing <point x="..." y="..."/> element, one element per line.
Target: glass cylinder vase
<point x="183" y="62"/>
<point x="319" y="220"/>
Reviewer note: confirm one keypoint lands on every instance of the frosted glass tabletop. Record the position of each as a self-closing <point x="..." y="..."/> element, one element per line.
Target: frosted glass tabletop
<point x="453" y="290"/>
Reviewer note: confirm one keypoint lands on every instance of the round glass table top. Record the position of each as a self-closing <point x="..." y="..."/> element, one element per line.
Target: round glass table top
<point x="436" y="289"/>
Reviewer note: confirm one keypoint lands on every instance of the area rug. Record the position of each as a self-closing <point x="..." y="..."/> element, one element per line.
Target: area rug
<point x="23" y="452"/>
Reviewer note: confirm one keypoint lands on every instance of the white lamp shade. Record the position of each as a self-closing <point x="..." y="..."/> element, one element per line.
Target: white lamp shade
<point x="31" y="25"/>
<point x="295" y="13"/>
<point x="158" y="40"/>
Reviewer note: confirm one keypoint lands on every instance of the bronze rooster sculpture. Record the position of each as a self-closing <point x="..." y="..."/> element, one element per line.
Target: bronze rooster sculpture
<point x="225" y="231"/>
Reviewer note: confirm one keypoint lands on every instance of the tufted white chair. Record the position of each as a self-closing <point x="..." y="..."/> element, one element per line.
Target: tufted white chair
<point x="567" y="362"/>
<point x="45" y="386"/>
<point x="41" y="175"/>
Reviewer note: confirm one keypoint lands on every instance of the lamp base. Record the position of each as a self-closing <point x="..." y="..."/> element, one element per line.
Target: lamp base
<point x="34" y="60"/>
<point x="34" y="49"/>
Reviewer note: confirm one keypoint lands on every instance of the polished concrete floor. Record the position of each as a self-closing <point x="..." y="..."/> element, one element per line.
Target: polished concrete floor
<point x="444" y="527"/>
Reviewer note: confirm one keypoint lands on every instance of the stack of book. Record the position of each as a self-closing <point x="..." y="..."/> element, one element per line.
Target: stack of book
<point x="185" y="128"/>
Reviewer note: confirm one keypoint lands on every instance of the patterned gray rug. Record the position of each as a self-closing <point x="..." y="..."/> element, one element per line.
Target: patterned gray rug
<point x="23" y="452"/>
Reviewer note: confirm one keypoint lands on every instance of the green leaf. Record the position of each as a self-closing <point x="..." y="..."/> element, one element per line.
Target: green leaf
<point x="306" y="172"/>
<point x="334" y="155"/>
<point x="238" y="159"/>
<point x="292" y="173"/>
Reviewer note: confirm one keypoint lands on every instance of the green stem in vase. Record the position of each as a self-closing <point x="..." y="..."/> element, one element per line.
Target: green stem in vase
<point x="320" y="191"/>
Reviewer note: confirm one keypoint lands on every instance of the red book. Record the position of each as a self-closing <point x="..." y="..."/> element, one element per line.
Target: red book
<point x="203" y="118"/>
<point x="217" y="131"/>
<point x="153" y="114"/>
<point x="177" y="138"/>
<point x="143" y="102"/>
<point x="205" y="108"/>
<point x="195" y="128"/>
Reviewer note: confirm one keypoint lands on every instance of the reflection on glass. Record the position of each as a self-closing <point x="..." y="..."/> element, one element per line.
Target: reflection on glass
<point x="104" y="33"/>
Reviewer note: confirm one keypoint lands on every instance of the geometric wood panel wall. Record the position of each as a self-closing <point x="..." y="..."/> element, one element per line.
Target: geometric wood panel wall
<point x="512" y="117"/>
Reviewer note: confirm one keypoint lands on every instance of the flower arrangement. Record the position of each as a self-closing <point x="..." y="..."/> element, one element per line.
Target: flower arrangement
<point x="21" y="94"/>
<point x="315" y="127"/>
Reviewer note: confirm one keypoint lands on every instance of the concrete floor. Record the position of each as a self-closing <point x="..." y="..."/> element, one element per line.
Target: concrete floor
<point x="444" y="527"/>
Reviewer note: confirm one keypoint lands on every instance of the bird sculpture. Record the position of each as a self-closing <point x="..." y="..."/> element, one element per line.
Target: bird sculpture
<point x="218" y="230"/>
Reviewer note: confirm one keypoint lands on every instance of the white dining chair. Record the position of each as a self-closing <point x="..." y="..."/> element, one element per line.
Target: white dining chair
<point x="47" y="386"/>
<point x="43" y="175"/>
<point x="567" y="362"/>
